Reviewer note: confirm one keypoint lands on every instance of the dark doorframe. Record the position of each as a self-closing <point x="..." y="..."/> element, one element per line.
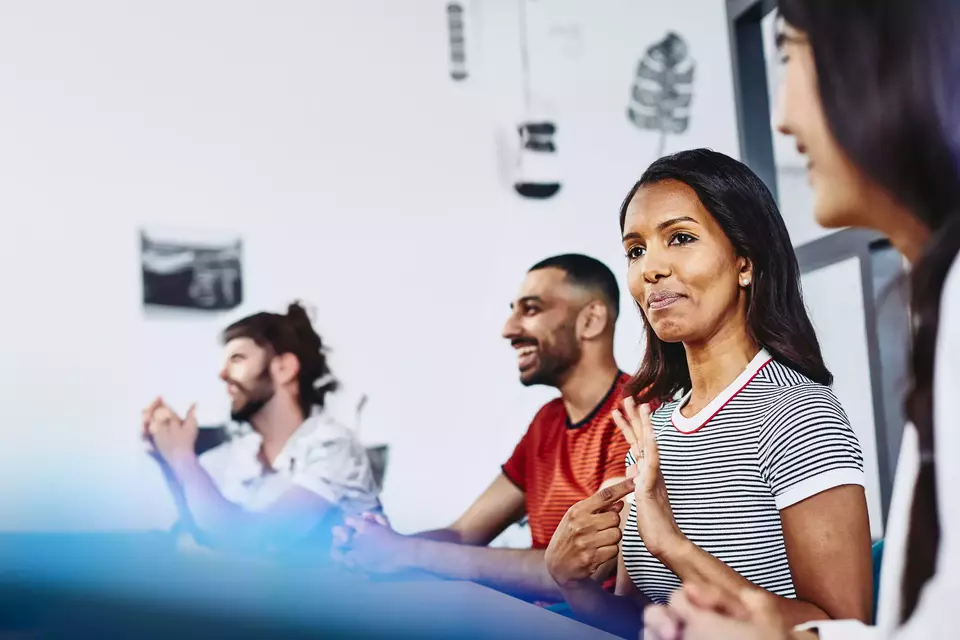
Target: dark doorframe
<point x="750" y="86"/>
<point x="887" y="329"/>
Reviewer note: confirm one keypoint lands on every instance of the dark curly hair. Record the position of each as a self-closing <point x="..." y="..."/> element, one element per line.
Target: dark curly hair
<point x="291" y="333"/>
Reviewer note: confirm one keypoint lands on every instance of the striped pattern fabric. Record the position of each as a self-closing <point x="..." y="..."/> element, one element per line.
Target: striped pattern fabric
<point x="770" y="440"/>
<point x="557" y="464"/>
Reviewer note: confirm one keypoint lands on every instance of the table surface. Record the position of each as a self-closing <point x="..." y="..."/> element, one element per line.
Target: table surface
<point x="137" y="585"/>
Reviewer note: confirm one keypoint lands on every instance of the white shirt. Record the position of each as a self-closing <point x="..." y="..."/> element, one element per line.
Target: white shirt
<point x="321" y="456"/>
<point x="935" y="616"/>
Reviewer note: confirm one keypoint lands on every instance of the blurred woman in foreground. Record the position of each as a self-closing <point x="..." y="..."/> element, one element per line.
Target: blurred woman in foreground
<point x="872" y="96"/>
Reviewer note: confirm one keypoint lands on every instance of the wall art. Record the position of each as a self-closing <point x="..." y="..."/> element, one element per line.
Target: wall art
<point x="662" y="89"/>
<point x="191" y="275"/>
<point x="458" y="51"/>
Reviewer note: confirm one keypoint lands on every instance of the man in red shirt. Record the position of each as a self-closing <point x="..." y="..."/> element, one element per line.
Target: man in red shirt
<point x="561" y="324"/>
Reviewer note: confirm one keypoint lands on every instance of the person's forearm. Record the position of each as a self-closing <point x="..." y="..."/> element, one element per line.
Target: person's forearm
<point x="692" y="564"/>
<point x="441" y="535"/>
<point x="520" y="572"/>
<point x="593" y="605"/>
<point x="212" y="514"/>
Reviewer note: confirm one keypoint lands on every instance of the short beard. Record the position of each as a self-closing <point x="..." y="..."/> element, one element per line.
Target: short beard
<point x="554" y="366"/>
<point x="258" y="396"/>
<point x="550" y="373"/>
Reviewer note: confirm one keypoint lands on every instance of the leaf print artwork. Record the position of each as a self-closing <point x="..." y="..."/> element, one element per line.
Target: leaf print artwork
<point x="663" y="89"/>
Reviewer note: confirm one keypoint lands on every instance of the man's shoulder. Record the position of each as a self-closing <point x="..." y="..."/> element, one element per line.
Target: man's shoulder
<point x="324" y="425"/>
<point x="550" y="418"/>
<point x="322" y="435"/>
<point x="552" y="406"/>
<point x="226" y="454"/>
<point x="549" y="414"/>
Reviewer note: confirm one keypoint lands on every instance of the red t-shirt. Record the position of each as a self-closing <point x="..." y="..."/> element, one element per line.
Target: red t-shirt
<point x="557" y="464"/>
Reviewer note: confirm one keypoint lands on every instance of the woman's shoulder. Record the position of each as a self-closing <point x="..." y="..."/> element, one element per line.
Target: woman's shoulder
<point x="786" y="386"/>
<point x="665" y="409"/>
<point x="949" y="324"/>
<point x="947" y="358"/>
<point x="805" y="402"/>
<point x="796" y="405"/>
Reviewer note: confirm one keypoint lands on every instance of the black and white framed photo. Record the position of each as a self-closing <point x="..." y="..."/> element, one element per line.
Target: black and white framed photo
<point x="191" y="271"/>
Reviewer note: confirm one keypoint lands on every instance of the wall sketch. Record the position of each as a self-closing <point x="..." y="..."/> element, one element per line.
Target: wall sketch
<point x="537" y="177"/>
<point x="663" y="89"/>
<point x="537" y="167"/>
<point x="458" y="53"/>
<point x="568" y="38"/>
<point x="191" y="276"/>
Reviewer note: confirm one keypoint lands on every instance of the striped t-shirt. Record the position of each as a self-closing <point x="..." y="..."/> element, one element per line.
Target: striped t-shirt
<point x="769" y="440"/>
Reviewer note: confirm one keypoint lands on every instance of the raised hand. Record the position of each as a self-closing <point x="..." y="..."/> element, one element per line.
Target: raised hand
<point x="171" y="436"/>
<point x="146" y="417"/>
<point x="701" y="612"/>
<point x="588" y="535"/>
<point x="655" y="522"/>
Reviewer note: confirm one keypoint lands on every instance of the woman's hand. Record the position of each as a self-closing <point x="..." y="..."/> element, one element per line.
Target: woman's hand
<point x="699" y="612"/>
<point x="655" y="522"/>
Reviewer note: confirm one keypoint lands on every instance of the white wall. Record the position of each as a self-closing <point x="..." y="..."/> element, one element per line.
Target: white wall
<point x="328" y="135"/>
<point x="840" y="324"/>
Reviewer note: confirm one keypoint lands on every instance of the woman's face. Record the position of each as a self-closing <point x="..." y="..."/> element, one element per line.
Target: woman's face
<point x="683" y="271"/>
<point x="841" y="191"/>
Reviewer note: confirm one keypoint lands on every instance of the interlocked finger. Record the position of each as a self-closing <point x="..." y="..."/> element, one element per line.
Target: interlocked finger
<point x="606" y="520"/>
<point x="605" y="554"/>
<point x="163" y="418"/>
<point x="146" y="416"/>
<point x="608" y="537"/>
<point x="616" y="507"/>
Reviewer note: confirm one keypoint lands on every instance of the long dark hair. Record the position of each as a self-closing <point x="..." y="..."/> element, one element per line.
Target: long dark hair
<point x="291" y="333"/>
<point x="890" y="96"/>
<point x="746" y="211"/>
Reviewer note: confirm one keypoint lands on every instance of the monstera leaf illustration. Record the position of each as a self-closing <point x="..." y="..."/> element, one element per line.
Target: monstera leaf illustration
<point x="663" y="89"/>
